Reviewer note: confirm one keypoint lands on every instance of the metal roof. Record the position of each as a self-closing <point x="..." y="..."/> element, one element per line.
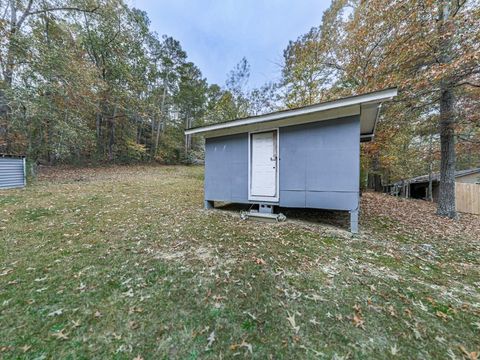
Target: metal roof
<point x="436" y="176"/>
<point x="11" y="156"/>
<point x="367" y="106"/>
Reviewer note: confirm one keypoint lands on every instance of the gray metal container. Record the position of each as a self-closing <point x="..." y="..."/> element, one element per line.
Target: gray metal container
<point x="12" y="172"/>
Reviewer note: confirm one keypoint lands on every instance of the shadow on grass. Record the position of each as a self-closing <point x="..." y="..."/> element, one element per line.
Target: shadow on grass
<point x="339" y="219"/>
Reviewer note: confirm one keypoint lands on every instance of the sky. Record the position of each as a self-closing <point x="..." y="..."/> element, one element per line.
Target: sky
<point x="216" y="34"/>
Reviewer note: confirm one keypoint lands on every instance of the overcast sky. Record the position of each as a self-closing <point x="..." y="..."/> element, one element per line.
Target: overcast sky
<point x="216" y="34"/>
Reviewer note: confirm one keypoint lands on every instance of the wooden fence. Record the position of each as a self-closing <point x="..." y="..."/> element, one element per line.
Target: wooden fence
<point x="467" y="197"/>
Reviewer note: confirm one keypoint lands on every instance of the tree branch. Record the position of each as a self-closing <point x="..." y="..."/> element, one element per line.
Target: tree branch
<point x="459" y="5"/>
<point x="468" y="84"/>
<point x="25" y="14"/>
<point x="28" y="11"/>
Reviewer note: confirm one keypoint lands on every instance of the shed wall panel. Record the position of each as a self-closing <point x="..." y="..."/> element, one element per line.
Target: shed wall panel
<point x="11" y="173"/>
<point x="291" y="198"/>
<point x="319" y="165"/>
<point x="331" y="200"/>
<point x="226" y="168"/>
<point x="322" y="160"/>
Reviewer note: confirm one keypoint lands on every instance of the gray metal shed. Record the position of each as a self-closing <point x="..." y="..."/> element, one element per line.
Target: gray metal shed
<point x="12" y="172"/>
<point x="307" y="157"/>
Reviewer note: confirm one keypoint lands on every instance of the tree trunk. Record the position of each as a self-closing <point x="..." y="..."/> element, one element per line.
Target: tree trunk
<point x="111" y="140"/>
<point x="7" y="73"/>
<point x="98" y="125"/>
<point x="430" y="168"/>
<point x="446" y="195"/>
<point x="161" y="117"/>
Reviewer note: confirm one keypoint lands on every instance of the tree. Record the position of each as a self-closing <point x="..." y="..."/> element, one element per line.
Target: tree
<point x="236" y="84"/>
<point x="14" y="48"/>
<point x="429" y="49"/>
<point x="191" y="97"/>
<point x="86" y="80"/>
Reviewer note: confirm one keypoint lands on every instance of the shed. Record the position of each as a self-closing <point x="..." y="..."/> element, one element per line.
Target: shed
<point x="307" y="157"/>
<point x="417" y="187"/>
<point x="12" y="171"/>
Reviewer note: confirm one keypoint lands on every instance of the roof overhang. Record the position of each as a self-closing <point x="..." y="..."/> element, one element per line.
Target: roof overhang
<point x="367" y="106"/>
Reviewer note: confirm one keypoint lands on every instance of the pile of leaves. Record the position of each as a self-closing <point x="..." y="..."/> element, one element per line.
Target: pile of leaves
<point x="413" y="217"/>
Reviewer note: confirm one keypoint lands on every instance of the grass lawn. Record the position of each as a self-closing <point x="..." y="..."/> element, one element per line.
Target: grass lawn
<point x="124" y="263"/>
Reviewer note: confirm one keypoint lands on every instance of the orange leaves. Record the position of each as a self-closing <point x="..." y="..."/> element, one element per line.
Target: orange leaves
<point x="259" y="261"/>
<point x="358" y="321"/>
<point x="357" y="317"/>
<point x="470" y="355"/>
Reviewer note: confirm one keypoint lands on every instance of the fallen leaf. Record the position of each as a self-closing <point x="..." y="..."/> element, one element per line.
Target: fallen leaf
<point x="243" y="344"/>
<point x="82" y="287"/>
<point x="473" y="355"/>
<point x="358" y="321"/>
<point x="56" y="312"/>
<point x="441" y="315"/>
<point x="75" y="323"/>
<point x="60" y="335"/>
<point x="210" y="339"/>
<point x="291" y="320"/>
<point x="6" y="272"/>
<point x="259" y="261"/>
<point x="394" y="350"/>
<point x="128" y="293"/>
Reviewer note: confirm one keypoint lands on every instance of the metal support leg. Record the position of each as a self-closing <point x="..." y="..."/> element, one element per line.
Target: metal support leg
<point x="209" y="205"/>
<point x="354" y="221"/>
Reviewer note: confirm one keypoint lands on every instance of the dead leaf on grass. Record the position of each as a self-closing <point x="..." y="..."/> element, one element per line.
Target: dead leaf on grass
<point x="133" y="325"/>
<point x="75" y="323"/>
<point x="259" y="261"/>
<point x="210" y="340"/>
<point x="243" y="344"/>
<point x="60" y="335"/>
<point x="441" y="315"/>
<point x="394" y="350"/>
<point x="128" y="293"/>
<point x="291" y="320"/>
<point x="6" y="272"/>
<point x="471" y="355"/>
<point x="358" y="321"/>
<point x="56" y="312"/>
<point x="391" y="311"/>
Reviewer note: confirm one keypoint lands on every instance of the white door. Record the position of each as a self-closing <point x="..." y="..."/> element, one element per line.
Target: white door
<point x="264" y="165"/>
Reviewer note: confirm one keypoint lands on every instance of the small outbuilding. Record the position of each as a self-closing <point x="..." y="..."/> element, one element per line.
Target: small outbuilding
<point x="306" y="157"/>
<point x="417" y="187"/>
<point x="12" y="171"/>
